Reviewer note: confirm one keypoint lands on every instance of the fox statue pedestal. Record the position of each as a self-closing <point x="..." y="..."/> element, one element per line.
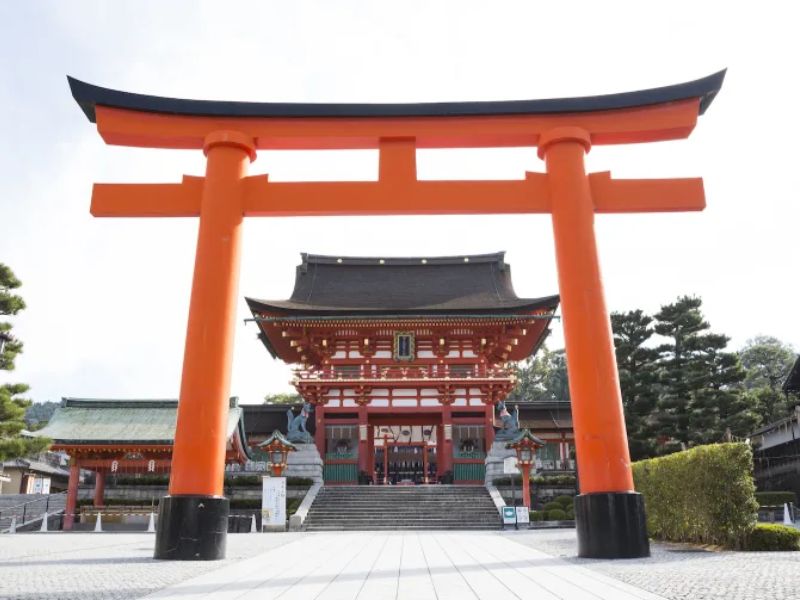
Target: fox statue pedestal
<point x="305" y="462"/>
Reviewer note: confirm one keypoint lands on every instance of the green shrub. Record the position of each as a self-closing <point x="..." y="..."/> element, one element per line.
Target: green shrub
<point x="537" y="515"/>
<point x="767" y="537"/>
<point x="556" y="515"/>
<point x="246" y="503"/>
<point x="292" y="504"/>
<point x="553" y="506"/>
<point x="299" y="482"/>
<point x="555" y="480"/>
<point x="538" y="480"/>
<point x="703" y="495"/>
<point x="120" y="502"/>
<point x="565" y="501"/>
<point x="775" y="498"/>
<point x="570" y="513"/>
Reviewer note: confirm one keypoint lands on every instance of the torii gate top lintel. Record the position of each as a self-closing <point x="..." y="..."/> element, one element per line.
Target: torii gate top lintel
<point x="655" y="114"/>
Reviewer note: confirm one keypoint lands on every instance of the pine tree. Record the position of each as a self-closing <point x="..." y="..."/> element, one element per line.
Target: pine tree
<point x="12" y="406"/>
<point x="638" y="378"/>
<point x="10" y="304"/>
<point x="701" y="391"/>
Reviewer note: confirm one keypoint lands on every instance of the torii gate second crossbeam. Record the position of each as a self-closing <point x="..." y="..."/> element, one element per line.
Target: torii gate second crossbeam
<point x="193" y="517"/>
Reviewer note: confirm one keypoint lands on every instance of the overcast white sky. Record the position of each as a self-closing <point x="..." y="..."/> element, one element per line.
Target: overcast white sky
<point x="108" y="299"/>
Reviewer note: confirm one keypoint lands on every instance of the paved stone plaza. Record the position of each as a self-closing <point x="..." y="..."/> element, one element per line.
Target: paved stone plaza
<point x="539" y="565"/>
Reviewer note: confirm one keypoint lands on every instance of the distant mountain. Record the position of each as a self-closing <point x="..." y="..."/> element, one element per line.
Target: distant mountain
<point x="39" y="413"/>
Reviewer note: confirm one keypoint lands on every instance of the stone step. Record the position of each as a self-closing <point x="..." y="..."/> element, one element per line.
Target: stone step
<point x="402" y="508"/>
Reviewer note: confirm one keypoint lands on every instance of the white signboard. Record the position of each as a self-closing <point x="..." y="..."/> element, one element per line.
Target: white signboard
<point x="523" y="516"/>
<point x="509" y="515"/>
<point x="273" y="503"/>
<point x="510" y="466"/>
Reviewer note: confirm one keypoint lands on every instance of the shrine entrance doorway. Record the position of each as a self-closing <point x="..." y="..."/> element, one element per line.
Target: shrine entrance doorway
<point x="405" y="454"/>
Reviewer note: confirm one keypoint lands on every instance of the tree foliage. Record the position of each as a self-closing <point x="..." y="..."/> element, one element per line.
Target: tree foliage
<point x="768" y="362"/>
<point x="542" y="377"/>
<point x="12" y="405"/>
<point x="10" y="304"/>
<point x="680" y="384"/>
<point x="12" y="413"/>
<point x="638" y="378"/>
<point x="282" y="398"/>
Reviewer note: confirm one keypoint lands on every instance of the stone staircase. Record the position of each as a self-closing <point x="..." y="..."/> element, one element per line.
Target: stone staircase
<point x="422" y="507"/>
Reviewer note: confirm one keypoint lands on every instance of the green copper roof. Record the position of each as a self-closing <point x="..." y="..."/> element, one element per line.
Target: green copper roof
<point x="105" y="421"/>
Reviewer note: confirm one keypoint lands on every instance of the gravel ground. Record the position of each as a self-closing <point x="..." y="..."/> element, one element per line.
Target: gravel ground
<point x="679" y="572"/>
<point x="104" y="566"/>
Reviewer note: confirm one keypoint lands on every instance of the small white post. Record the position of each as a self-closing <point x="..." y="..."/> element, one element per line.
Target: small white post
<point x="151" y="526"/>
<point x="13" y="528"/>
<point x="253" y="525"/>
<point x="98" y="524"/>
<point x="44" y="523"/>
<point x="787" y="517"/>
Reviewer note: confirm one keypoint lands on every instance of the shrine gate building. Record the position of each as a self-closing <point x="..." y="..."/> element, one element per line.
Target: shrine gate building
<point x="404" y="360"/>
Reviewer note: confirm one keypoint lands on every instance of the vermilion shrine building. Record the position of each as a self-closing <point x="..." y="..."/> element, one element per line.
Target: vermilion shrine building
<point x="124" y="436"/>
<point x="406" y="354"/>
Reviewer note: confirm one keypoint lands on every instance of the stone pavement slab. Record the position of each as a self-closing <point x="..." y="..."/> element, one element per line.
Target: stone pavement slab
<point x="404" y="565"/>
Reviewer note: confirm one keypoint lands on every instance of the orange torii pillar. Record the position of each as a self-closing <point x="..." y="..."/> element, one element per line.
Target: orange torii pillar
<point x="193" y="517"/>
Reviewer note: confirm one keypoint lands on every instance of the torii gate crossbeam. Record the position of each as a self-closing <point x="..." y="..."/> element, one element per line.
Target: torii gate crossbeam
<point x="193" y="517"/>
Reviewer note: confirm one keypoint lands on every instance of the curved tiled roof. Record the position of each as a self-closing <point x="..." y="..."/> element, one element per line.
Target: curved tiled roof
<point x="331" y="285"/>
<point x="105" y="421"/>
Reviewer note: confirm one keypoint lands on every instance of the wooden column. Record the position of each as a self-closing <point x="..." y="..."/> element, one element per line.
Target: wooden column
<point x="489" y="427"/>
<point x="371" y="452"/>
<point x="363" y="439"/>
<point x="439" y="451"/>
<point x="319" y="432"/>
<point x="72" y="493"/>
<point x="447" y="440"/>
<point x="99" y="488"/>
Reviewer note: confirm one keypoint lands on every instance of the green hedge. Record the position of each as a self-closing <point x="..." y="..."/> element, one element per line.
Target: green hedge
<point x="775" y="498"/>
<point x="553" y="506"/>
<point x="537" y="515"/>
<point x="556" y="515"/>
<point x="768" y="537"/>
<point x="566" y="501"/>
<point x="120" y="502"/>
<point x="703" y="495"/>
<point x="539" y="480"/>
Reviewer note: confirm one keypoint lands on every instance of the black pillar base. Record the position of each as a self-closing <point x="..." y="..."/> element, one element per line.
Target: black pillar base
<point x="611" y="525"/>
<point x="192" y="528"/>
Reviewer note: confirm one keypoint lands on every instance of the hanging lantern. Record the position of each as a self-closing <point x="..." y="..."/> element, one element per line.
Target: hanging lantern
<point x="277" y="449"/>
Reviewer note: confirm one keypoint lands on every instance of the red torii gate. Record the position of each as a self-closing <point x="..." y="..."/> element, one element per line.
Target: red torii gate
<point x="193" y="517"/>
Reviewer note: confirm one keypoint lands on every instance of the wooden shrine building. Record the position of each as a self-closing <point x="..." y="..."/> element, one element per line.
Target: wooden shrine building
<point x="124" y="436"/>
<point x="403" y="361"/>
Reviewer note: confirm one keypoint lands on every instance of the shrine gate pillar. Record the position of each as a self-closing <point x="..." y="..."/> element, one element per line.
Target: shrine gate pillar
<point x="193" y="518"/>
<point x="72" y="493"/>
<point x="609" y="515"/>
<point x="99" y="488"/>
